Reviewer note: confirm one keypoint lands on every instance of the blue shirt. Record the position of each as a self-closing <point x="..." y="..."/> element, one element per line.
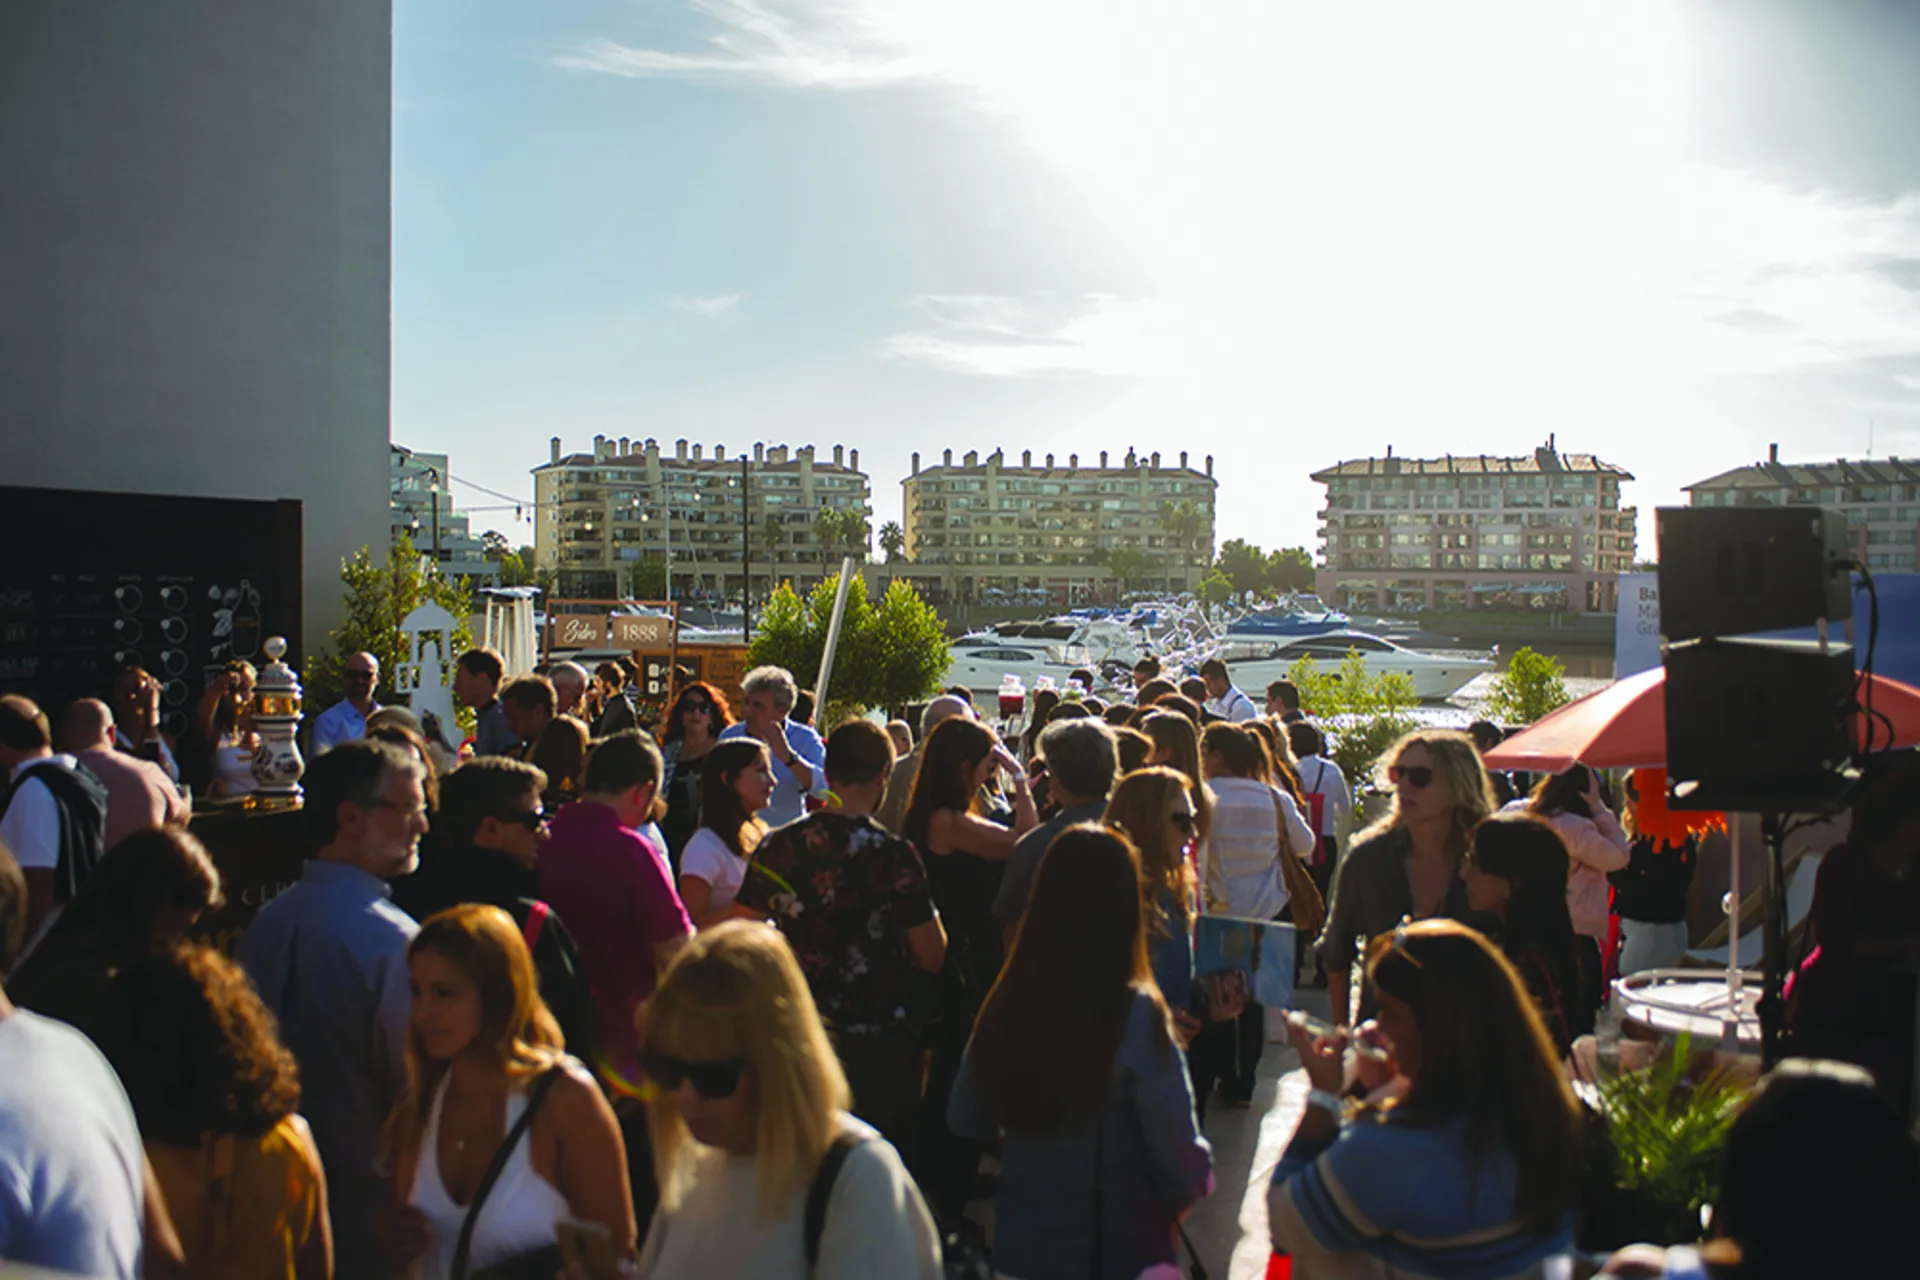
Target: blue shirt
<point x="1411" y="1195"/>
<point x="491" y="737"/>
<point x="330" y="959"/>
<point x="1016" y="883"/>
<point x="1155" y="1164"/>
<point x="341" y="722"/>
<point x="1172" y="956"/>
<point x="789" y="800"/>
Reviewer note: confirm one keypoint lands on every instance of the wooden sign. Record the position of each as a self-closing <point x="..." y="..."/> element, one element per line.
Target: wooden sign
<point x="580" y="631"/>
<point x="633" y="632"/>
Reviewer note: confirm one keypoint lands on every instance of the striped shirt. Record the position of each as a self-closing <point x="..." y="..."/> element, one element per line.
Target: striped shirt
<point x="1392" y="1198"/>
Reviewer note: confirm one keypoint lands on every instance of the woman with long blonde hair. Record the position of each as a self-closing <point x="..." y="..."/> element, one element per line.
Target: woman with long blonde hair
<point x="750" y="1102"/>
<point x="486" y="1070"/>
<point x="1407" y="865"/>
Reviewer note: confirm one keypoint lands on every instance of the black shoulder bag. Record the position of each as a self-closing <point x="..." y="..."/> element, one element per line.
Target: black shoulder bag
<point x="544" y="1263"/>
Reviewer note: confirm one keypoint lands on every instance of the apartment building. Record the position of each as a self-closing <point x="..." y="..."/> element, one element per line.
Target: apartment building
<point x="1543" y="531"/>
<point x="420" y="508"/>
<point x="1880" y="498"/>
<point x="984" y="529"/>
<point x="603" y="512"/>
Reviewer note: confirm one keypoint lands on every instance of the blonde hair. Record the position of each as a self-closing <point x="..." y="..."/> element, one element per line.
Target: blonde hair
<point x="736" y="991"/>
<point x="485" y="945"/>
<point x="1457" y="771"/>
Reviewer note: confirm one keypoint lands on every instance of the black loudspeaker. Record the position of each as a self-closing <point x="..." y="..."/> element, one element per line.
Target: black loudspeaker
<point x="1738" y="570"/>
<point x="1758" y="726"/>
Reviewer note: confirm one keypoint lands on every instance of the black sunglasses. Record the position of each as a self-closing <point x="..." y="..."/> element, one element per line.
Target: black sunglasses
<point x="520" y="818"/>
<point x="1184" y="821"/>
<point x="710" y="1079"/>
<point x="696" y="706"/>
<point x="1416" y="776"/>
<point x="359" y="675"/>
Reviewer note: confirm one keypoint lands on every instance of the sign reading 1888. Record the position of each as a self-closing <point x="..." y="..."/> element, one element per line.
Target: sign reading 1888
<point x="631" y="632"/>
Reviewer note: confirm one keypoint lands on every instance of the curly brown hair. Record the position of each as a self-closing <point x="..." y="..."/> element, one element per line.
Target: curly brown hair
<point x="196" y="1049"/>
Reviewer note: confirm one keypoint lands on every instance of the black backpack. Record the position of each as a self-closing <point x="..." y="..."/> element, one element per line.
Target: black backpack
<point x="963" y="1254"/>
<point x="82" y="801"/>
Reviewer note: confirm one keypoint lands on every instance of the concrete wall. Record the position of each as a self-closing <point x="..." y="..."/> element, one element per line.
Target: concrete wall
<point x="194" y="245"/>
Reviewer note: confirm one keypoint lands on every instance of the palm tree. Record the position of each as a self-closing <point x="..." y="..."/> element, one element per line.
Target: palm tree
<point x="893" y="541"/>
<point x="828" y="529"/>
<point x="1183" y="522"/>
<point x="771" y="533"/>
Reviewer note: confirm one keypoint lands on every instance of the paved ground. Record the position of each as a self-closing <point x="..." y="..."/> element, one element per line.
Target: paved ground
<point x="1229" y="1228"/>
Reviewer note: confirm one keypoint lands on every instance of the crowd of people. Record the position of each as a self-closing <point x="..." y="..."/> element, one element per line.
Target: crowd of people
<point x="725" y="997"/>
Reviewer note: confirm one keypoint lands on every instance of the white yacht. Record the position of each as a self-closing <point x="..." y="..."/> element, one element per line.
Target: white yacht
<point x="1436" y="676"/>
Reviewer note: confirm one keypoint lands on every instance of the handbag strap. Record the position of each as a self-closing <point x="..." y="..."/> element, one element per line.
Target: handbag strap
<point x="820" y="1190"/>
<point x="1195" y="1269"/>
<point x="536" y="1092"/>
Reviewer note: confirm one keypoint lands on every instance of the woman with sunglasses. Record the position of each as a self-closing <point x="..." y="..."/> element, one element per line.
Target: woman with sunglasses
<point x="1154" y="808"/>
<point x="1572" y="803"/>
<point x="737" y="783"/>
<point x="1075" y="1063"/>
<point x="484" y="1054"/>
<point x="1516" y="872"/>
<point x="692" y="729"/>
<point x="1475" y="1169"/>
<point x="1408" y="863"/>
<point x="749" y="1101"/>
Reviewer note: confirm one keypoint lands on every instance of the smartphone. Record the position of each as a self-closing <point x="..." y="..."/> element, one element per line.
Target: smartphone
<point x="1326" y="1030"/>
<point x="589" y="1246"/>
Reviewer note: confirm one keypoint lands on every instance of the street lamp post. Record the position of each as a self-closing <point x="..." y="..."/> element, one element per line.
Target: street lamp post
<point x="746" y="554"/>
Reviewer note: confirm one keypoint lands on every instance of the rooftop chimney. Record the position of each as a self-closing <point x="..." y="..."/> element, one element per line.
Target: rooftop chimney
<point x="696" y="453"/>
<point x="1209" y="464"/>
<point x="680" y="449"/>
<point x="1156" y="459"/>
<point x="853" y="459"/>
<point x="1026" y="457"/>
<point x="1773" y="454"/>
<point x="626" y="446"/>
<point x="1073" y="462"/>
<point x="760" y="451"/>
<point x="719" y="453"/>
<point x="973" y="458"/>
<point x="1132" y="460"/>
<point x="1103" y="459"/>
<point x="1183" y="459"/>
<point x="839" y="452"/>
<point x="555" y="445"/>
<point x="1049" y="462"/>
<point x="916" y="463"/>
<point x="946" y="458"/>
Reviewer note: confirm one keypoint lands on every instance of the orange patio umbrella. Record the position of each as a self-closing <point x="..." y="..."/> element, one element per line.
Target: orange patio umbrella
<point x="1624" y="726"/>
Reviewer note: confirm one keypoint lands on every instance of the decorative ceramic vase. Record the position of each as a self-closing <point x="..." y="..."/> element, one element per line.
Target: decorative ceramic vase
<point x="277" y="765"/>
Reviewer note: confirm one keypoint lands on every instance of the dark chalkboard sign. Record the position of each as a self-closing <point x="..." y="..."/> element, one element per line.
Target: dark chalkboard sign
<point x="92" y="582"/>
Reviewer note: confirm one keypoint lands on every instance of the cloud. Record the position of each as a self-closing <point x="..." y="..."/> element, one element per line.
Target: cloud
<point x="1040" y="335"/>
<point x="718" y="304"/>
<point x="791" y="43"/>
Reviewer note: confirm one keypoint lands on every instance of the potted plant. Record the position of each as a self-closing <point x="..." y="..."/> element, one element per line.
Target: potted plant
<point x="1654" y="1141"/>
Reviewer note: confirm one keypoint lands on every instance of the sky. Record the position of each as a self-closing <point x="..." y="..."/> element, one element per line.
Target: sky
<point x="1278" y="233"/>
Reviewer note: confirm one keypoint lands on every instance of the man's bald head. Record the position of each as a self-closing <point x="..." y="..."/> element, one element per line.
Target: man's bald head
<point x="86" y="724"/>
<point x="944" y="707"/>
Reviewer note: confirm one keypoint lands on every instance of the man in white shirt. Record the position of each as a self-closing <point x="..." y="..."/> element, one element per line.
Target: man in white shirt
<point x="346" y="720"/>
<point x="1321" y="777"/>
<point x="76" y="1192"/>
<point x="54" y="813"/>
<point x="1223" y="699"/>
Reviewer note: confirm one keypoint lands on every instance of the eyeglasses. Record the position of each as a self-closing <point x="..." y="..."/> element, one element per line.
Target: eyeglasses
<point x="710" y="1079"/>
<point x="359" y="675"/>
<point x="1183" y="821"/>
<point x="409" y="812"/>
<point x="1415" y="776"/>
<point x="704" y="708"/>
<point x="520" y="818"/>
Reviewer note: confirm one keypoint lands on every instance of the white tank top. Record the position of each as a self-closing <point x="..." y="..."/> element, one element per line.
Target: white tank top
<point x="519" y="1213"/>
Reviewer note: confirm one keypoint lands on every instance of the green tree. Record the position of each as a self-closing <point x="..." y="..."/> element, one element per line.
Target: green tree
<point x="827" y="534"/>
<point x="888" y="656"/>
<point x="1363" y="712"/>
<point x="1244" y="566"/>
<point x="1215" y="588"/>
<point x="647" y="578"/>
<point x="493" y="545"/>
<point x="1290" y="569"/>
<point x="1532" y="685"/>
<point x="772" y="533"/>
<point x="1128" y="565"/>
<point x="516" y="569"/>
<point x="893" y="541"/>
<point x="379" y="596"/>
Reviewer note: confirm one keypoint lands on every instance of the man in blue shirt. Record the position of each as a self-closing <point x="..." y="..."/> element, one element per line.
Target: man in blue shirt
<point x="346" y="720"/>
<point x="330" y="959"/>
<point x="799" y="757"/>
<point x="476" y="682"/>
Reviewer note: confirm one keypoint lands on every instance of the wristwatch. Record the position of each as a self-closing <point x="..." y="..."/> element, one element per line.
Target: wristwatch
<point x="1325" y="1101"/>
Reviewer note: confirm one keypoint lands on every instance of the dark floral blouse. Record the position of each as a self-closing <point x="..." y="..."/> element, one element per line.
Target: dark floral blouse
<point x="845" y="891"/>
